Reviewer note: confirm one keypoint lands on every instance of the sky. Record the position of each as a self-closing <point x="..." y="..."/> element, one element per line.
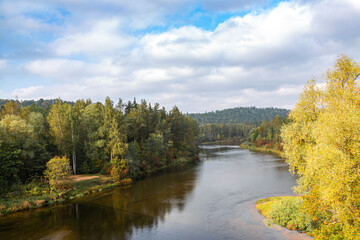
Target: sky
<point x="200" y="55"/>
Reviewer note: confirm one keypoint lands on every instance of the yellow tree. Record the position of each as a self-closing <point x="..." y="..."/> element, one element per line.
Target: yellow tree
<point x="322" y="144"/>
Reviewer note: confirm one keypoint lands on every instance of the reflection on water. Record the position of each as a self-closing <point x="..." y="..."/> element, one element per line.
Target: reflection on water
<point x="213" y="199"/>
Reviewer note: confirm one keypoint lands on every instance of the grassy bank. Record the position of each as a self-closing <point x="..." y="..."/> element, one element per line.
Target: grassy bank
<point x="263" y="149"/>
<point x="35" y="195"/>
<point x="286" y="211"/>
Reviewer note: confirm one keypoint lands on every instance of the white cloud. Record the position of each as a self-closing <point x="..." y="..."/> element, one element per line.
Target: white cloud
<point x="30" y="92"/>
<point x="262" y="58"/>
<point x="72" y="70"/>
<point x="103" y="39"/>
<point x="252" y="39"/>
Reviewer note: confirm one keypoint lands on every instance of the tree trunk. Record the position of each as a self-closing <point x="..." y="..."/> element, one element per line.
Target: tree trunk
<point x="74" y="162"/>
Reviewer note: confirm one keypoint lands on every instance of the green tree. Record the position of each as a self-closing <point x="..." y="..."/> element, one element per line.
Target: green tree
<point x="59" y="120"/>
<point x="11" y="108"/>
<point x="13" y="134"/>
<point x="56" y="171"/>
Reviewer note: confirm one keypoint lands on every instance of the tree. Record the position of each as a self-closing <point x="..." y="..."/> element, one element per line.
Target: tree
<point x="13" y="134"/>
<point x="95" y="143"/>
<point x="59" y="120"/>
<point x="11" y="108"/>
<point x="322" y="144"/>
<point x="56" y="171"/>
<point x="78" y="130"/>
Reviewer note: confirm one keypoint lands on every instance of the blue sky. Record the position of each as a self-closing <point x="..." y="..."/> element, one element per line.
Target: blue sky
<point x="198" y="55"/>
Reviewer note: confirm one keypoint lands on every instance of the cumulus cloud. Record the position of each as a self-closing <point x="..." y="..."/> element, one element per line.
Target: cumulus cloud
<point x="262" y="58"/>
<point x="255" y="39"/>
<point x="103" y="39"/>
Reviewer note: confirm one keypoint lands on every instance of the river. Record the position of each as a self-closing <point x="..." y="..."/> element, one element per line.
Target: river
<point x="213" y="199"/>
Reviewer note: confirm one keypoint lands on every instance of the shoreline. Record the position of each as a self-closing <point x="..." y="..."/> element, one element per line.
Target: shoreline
<point x="263" y="150"/>
<point x="264" y="206"/>
<point x="20" y="201"/>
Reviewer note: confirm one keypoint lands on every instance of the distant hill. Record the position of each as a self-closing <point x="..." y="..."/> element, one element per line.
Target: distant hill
<point x="41" y="102"/>
<point x="240" y="115"/>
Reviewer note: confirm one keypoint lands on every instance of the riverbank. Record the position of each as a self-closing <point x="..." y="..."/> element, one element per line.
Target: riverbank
<point x="263" y="149"/>
<point x="37" y="195"/>
<point x="285" y="211"/>
<point x="225" y="141"/>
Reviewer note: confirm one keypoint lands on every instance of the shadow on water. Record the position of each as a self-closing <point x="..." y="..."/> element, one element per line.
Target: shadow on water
<point x="113" y="215"/>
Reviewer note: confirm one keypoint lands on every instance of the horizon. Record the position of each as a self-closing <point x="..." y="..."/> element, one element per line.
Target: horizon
<point x="167" y="109"/>
<point x="200" y="56"/>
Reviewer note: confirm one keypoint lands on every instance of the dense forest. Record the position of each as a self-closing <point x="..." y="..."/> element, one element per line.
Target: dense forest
<point x="133" y="137"/>
<point x="240" y="115"/>
<point x="44" y="103"/>
<point x="211" y="132"/>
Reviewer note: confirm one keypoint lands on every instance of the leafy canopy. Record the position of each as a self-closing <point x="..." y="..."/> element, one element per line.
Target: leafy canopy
<point x="322" y="144"/>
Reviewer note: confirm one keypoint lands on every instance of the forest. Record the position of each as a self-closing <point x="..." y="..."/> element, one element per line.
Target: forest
<point x="267" y="135"/>
<point x="248" y="115"/>
<point x="135" y="138"/>
<point x="211" y="132"/>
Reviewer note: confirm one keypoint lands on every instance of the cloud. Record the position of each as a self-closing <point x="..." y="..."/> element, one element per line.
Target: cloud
<point x="103" y="39"/>
<point x="255" y="39"/>
<point x="261" y="58"/>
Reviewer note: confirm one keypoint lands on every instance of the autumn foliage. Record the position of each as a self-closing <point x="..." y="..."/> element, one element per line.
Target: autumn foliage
<point x="322" y="145"/>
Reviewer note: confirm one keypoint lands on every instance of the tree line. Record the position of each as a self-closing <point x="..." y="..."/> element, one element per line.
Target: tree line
<point x="97" y="137"/>
<point x="248" y="115"/>
<point x="211" y="132"/>
<point x="268" y="134"/>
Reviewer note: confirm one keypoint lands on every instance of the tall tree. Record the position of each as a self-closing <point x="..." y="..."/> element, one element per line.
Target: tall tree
<point x="78" y="130"/>
<point x="59" y="120"/>
<point x="322" y="144"/>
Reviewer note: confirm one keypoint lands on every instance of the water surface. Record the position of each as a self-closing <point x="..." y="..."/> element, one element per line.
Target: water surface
<point x="213" y="199"/>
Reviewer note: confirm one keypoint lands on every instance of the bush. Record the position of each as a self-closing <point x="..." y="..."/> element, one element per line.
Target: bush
<point x="288" y="213"/>
<point x="56" y="171"/>
<point x="119" y="169"/>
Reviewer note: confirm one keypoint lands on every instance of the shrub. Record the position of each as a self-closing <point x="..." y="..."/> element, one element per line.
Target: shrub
<point x="56" y="171"/>
<point x="288" y="213"/>
<point x="119" y="169"/>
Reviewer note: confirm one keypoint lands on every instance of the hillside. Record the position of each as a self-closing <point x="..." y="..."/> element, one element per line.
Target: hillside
<point x="41" y="102"/>
<point x="240" y="115"/>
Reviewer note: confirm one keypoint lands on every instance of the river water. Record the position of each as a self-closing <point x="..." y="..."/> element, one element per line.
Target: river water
<point x="213" y="199"/>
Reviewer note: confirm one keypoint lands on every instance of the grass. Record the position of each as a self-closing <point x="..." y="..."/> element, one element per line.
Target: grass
<point x="286" y="211"/>
<point x="264" y="205"/>
<point x="35" y="195"/>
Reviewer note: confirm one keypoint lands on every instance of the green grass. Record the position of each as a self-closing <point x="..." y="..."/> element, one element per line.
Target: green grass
<point x="264" y="205"/>
<point x="285" y="211"/>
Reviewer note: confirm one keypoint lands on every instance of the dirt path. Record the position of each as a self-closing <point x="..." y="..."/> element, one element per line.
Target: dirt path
<point x="78" y="178"/>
